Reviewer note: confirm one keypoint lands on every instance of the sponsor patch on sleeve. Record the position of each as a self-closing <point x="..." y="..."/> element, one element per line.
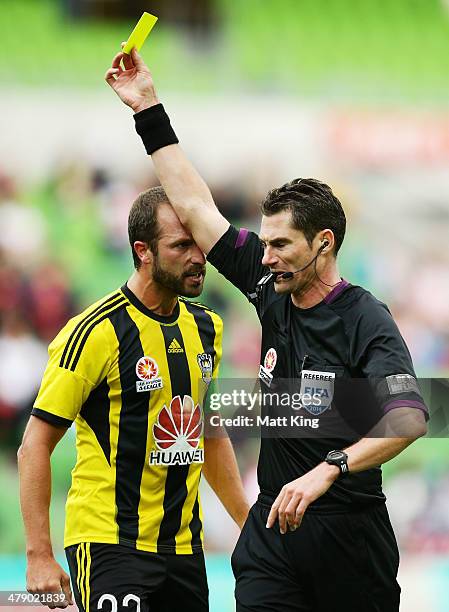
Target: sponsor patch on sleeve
<point x="402" y="383"/>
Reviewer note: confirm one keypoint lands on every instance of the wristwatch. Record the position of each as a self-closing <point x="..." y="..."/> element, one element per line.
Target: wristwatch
<point x="338" y="458"/>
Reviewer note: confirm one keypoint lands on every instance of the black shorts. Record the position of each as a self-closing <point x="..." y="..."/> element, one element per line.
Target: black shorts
<point x="112" y="577"/>
<point x="342" y="562"/>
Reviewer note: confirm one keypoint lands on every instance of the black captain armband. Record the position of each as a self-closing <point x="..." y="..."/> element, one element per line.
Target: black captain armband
<point x="153" y="126"/>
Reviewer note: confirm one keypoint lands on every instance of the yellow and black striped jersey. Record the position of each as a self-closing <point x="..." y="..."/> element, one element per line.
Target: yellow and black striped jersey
<point x="134" y="383"/>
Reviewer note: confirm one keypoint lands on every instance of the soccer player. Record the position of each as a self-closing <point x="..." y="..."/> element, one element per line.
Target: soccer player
<point x="316" y="327"/>
<point x="132" y="371"/>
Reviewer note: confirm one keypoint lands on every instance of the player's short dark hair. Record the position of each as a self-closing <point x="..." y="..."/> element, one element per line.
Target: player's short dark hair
<point x="313" y="207"/>
<point x="142" y="221"/>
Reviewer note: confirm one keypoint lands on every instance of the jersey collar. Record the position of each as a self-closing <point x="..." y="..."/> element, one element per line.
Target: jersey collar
<point x="330" y="297"/>
<point x="146" y="311"/>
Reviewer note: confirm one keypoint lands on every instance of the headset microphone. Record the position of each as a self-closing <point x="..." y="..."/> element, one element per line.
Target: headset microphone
<point x="289" y="275"/>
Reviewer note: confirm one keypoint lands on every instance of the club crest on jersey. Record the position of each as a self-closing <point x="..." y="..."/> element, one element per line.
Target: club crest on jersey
<point x="177" y="433"/>
<point x="147" y="370"/>
<point x="317" y="391"/>
<point x="205" y="363"/>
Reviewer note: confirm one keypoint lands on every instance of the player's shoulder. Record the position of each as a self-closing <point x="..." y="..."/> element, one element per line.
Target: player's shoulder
<point x="91" y="320"/>
<point x="198" y="308"/>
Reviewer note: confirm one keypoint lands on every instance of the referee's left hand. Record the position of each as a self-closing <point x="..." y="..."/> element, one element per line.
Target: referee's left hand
<point x="295" y="497"/>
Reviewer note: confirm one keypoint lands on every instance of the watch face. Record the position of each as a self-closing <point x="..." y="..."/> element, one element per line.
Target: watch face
<point x="336" y="455"/>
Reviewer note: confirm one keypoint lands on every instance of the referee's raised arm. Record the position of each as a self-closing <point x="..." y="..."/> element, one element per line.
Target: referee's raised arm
<point x="186" y="190"/>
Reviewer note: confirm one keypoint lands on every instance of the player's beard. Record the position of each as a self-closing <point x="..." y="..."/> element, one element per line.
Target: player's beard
<point x="175" y="283"/>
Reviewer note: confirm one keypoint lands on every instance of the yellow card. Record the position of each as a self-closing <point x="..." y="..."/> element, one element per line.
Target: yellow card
<point x="140" y="32"/>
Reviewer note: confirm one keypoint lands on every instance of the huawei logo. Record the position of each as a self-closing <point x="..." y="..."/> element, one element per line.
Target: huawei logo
<point x="179" y="427"/>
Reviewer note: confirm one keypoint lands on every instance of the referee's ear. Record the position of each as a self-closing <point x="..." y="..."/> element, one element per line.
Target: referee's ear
<point x="326" y="242"/>
<point x="143" y="252"/>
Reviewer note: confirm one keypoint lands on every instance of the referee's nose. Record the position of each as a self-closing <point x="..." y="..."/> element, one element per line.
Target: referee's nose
<point x="268" y="259"/>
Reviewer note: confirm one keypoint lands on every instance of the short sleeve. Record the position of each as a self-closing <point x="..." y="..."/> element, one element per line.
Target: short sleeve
<point x="382" y="355"/>
<point x="238" y="256"/>
<point x="78" y="361"/>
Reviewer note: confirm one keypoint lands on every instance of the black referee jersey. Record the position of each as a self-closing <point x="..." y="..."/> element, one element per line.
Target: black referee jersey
<point x="349" y="336"/>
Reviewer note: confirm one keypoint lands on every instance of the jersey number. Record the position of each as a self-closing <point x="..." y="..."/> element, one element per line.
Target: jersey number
<point x="113" y="601"/>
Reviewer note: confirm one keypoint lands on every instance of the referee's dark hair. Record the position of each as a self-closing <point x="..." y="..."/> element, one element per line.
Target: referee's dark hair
<point x="142" y="221"/>
<point x="313" y="207"/>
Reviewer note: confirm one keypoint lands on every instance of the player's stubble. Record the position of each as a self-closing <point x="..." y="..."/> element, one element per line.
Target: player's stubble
<point x="179" y="284"/>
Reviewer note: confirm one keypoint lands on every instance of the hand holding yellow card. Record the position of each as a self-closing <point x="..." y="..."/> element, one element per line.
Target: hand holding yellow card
<point x="140" y="33"/>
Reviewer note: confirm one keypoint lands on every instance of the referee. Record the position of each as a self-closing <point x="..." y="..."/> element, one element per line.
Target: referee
<point x="320" y="329"/>
<point x="132" y="372"/>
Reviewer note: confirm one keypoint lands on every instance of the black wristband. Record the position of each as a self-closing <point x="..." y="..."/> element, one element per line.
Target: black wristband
<point x="153" y="126"/>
